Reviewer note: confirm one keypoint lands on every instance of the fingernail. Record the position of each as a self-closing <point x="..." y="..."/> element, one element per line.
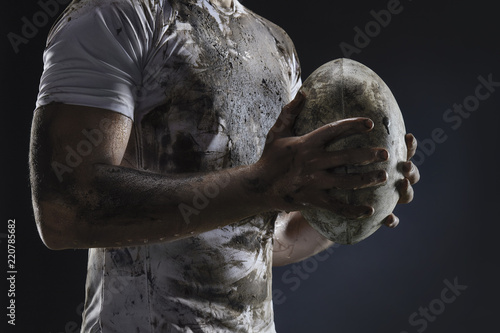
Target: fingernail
<point x="394" y="223"/>
<point x="383" y="155"/>
<point x="382" y="175"/>
<point x="368" y="123"/>
<point x="369" y="211"/>
<point x="410" y="138"/>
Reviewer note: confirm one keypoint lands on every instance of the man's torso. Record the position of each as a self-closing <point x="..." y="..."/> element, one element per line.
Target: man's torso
<point x="213" y="83"/>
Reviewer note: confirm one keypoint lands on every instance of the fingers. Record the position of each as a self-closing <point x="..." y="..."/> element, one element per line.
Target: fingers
<point x="391" y="221"/>
<point x="411" y="145"/>
<point x="410" y="172"/>
<point x="283" y="126"/>
<point x="352" y="181"/>
<point x="404" y="187"/>
<point x="405" y="191"/>
<point x="346" y="210"/>
<point x="339" y="129"/>
<point x="355" y="156"/>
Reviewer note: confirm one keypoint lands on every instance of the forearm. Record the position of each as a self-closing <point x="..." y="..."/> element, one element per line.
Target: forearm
<point x="99" y="203"/>
<point x="295" y="240"/>
<point x="119" y="206"/>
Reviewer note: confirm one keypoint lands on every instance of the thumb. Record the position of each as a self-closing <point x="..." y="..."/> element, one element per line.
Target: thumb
<point x="284" y="124"/>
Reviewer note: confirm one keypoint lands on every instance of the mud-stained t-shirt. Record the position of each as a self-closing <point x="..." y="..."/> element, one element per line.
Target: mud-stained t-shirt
<point x="203" y="87"/>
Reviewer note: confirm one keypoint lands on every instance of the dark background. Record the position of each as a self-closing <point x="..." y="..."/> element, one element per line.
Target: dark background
<point x="431" y="55"/>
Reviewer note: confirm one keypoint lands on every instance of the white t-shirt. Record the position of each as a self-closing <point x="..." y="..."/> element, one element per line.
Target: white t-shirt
<point x="203" y="87"/>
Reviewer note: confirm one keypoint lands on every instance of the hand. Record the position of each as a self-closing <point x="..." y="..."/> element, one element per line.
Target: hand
<point x="293" y="171"/>
<point x="412" y="176"/>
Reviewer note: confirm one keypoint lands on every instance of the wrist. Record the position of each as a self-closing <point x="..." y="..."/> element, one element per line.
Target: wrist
<point x="257" y="184"/>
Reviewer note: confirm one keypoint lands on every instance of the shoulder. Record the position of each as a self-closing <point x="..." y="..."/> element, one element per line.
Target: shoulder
<point x="95" y="14"/>
<point x="283" y="40"/>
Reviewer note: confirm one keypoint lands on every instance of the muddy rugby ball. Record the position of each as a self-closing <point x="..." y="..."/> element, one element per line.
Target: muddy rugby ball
<point x="345" y="88"/>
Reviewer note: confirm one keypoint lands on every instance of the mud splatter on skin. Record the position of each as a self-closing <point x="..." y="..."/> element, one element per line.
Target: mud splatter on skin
<point x="346" y="85"/>
<point x="219" y="84"/>
<point x="256" y="185"/>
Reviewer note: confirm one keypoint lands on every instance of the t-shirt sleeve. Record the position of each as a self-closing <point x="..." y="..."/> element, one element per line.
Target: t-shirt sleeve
<point x="286" y="46"/>
<point x="94" y="57"/>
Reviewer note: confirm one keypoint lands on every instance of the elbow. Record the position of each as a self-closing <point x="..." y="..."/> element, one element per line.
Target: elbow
<point x="52" y="243"/>
<point x="57" y="226"/>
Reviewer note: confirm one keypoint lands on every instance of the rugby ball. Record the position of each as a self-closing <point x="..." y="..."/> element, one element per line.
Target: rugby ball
<point x="345" y="88"/>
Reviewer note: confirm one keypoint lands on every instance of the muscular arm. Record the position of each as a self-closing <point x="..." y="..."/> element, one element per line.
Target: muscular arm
<point x="97" y="203"/>
<point x="90" y="200"/>
<point x="295" y="240"/>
